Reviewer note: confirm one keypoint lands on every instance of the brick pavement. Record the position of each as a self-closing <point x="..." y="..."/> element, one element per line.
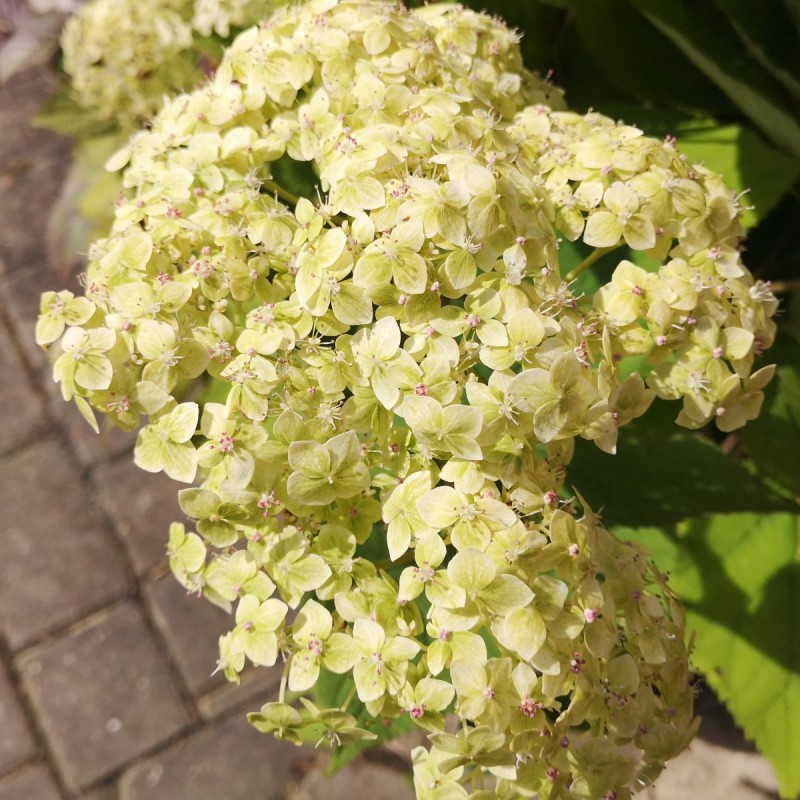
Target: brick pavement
<point x="106" y="690"/>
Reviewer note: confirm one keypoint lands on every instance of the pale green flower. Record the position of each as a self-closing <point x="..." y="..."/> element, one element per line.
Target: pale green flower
<point x="621" y="220"/>
<point x="280" y="719"/>
<point x="56" y="311"/>
<point x="484" y="691"/>
<point x="165" y="444"/>
<point x="426" y="701"/>
<point x="432" y="781"/>
<point x="216" y="520"/>
<point x="83" y="363"/>
<point x="294" y="568"/>
<point x="321" y="473"/>
<point x="556" y="397"/>
<point x="441" y="429"/>
<point x="256" y="626"/>
<point x="381" y="661"/>
<point x="380" y="359"/>
<point x="403" y="520"/>
<point x="233" y="576"/>
<point x="316" y="648"/>
<point x="187" y="555"/>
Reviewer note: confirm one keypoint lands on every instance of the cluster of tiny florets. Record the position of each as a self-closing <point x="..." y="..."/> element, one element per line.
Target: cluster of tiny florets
<point x="123" y="57"/>
<point x="405" y="369"/>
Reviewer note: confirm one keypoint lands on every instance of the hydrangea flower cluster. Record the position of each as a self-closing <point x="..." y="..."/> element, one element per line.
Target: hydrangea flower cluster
<point x="401" y="371"/>
<point x="123" y="58"/>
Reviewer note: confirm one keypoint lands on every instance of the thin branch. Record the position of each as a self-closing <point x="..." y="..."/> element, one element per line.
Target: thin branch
<point x="277" y="189"/>
<point x="786" y="287"/>
<point x="587" y="262"/>
<point x="406" y="558"/>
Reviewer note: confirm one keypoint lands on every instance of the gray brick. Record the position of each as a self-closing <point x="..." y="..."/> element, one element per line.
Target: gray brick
<point x="58" y="560"/>
<point x="191" y="627"/>
<point x="34" y="783"/>
<point x="103" y="695"/>
<point x="20" y="408"/>
<point x="16" y="742"/>
<point x="33" y="163"/>
<point x="229" y="760"/>
<point x="91" y="448"/>
<point x="258" y="685"/>
<point x="103" y="793"/>
<point x="359" y="778"/>
<point x="142" y="506"/>
<point x="20" y="293"/>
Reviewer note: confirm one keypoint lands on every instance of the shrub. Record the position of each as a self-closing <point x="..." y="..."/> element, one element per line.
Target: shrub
<point x="399" y="368"/>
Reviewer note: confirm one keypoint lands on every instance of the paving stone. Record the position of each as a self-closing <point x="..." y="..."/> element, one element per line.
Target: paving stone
<point x="16" y="742"/>
<point x="142" y="506"/>
<point x="360" y="778"/>
<point x="20" y="293"/>
<point x="104" y="793"/>
<point x="58" y="561"/>
<point x="18" y="400"/>
<point x="258" y="685"/>
<point x="33" y="163"/>
<point x="91" y="448"/>
<point x="103" y="695"/>
<point x="709" y="771"/>
<point x="34" y="783"/>
<point x="229" y="760"/>
<point x="191" y="626"/>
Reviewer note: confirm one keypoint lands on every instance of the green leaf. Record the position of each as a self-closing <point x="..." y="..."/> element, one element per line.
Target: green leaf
<point x="661" y="476"/>
<point x="64" y="115"/>
<point x="745" y="161"/>
<point x="739" y="578"/>
<point x="298" y="177"/>
<point x="767" y="32"/>
<point x="711" y="44"/>
<point x="331" y="691"/>
<point x="773" y="440"/>
<point x="611" y="40"/>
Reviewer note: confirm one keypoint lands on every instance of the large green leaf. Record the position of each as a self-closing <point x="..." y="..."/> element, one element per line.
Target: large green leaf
<point x="706" y="37"/>
<point x="773" y="440"/>
<point x="746" y="162"/>
<point x="767" y="31"/>
<point x="609" y="42"/>
<point x="739" y="578"/>
<point x="660" y="475"/>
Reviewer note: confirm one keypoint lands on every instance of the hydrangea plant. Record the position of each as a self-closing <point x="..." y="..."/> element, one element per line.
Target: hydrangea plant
<point x="401" y="366"/>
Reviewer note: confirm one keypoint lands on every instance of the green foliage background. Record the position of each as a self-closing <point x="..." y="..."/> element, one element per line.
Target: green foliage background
<point x="720" y="514"/>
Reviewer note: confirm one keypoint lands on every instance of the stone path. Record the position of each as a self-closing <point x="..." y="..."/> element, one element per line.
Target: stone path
<point x="106" y="690"/>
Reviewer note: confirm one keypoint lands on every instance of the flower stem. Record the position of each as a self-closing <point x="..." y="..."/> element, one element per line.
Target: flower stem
<point x="387" y="563"/>
<point x="786" y="287"/>
<point x="284" y="679"/>
<point x="587" y="262"/>
<point x="348" y="699"/>
<point x="293" y="199"/>
<point x="277" y="189"/>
